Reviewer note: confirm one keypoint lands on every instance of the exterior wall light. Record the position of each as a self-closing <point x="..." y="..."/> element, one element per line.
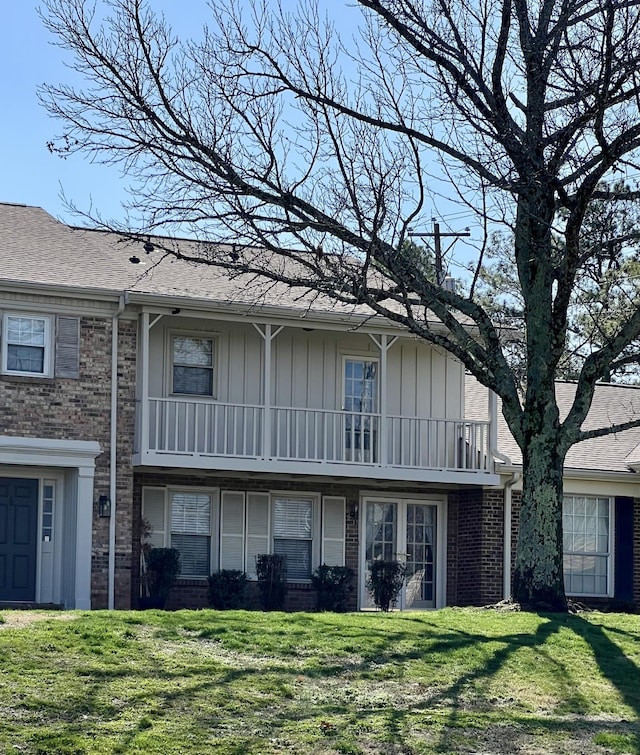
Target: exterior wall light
<point x="104" y="506"/>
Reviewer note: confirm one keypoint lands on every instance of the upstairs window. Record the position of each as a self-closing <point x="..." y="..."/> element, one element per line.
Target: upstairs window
<point x="192" y="365"/>
<point x="26" y="345"/>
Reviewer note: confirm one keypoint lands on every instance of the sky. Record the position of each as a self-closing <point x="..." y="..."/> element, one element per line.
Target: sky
<point x="29" y="173"/>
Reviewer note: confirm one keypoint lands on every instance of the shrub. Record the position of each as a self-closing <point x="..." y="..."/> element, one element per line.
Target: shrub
<point x="162" y="566"/>
<point x="385" y="581"/>
<point x="226" y="589"/>
<point x="333" y="585"/>
<point x="271" y="570"/>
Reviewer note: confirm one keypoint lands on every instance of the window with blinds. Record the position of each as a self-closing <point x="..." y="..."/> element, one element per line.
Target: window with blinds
<point x="293" y="533"/>
<point x="26" y="347"/>
<point x="191" y="532"/>
<point x="192" y="365"/>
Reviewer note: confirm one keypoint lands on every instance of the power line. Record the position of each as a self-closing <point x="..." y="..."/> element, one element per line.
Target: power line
<point x="437" y="235"/>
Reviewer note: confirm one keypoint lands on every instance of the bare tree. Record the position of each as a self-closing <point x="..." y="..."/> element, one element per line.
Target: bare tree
<point x="274" y="132"/>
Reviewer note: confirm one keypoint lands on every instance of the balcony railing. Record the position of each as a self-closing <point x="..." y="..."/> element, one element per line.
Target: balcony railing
<point x="216" y="429"/>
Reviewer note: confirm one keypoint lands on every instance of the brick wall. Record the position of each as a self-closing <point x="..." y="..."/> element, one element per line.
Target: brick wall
<point x="79" y="409"/>
<point x="475" y="547"/>
<point x="193" y="593"/>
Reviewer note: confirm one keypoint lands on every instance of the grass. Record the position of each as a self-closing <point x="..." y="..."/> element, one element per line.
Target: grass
<point x="452" y="681"/>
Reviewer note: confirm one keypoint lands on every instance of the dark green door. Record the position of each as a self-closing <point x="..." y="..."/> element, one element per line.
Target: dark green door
<point x="18" y="531"/>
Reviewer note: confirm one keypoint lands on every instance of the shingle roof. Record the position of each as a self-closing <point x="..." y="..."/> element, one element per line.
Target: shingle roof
<point x="36" y="248"/>
<point x="612" y="404"/>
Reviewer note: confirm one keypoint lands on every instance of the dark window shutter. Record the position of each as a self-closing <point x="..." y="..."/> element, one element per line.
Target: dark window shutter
<point x="67" y="347"/>
<point x="624" y="549"/>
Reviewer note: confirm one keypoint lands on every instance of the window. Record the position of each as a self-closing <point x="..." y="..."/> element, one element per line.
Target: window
<point x="360" y="406"/>
<point x="586" y="529"/>
<point x="192" y="364"/>
<point x="26" y="345"/>
<point x="191" y="531"/>
<point x="292" y="534"/>
<point x="307" y="529"/>
<point x="47" y="511"/>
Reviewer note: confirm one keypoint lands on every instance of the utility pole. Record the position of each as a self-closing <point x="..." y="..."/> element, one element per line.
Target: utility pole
<point x="437" y="237"/>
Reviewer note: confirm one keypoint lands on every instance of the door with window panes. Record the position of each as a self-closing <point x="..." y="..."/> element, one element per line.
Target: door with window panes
<point x="360" y="405"/>
<point x="406" y="531"/>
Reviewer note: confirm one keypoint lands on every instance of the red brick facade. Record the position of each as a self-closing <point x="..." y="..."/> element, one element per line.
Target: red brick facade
<point x="474" y="547"/>
<point x="79" y="409"/>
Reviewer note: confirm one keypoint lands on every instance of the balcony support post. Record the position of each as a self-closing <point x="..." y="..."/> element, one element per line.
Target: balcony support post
<point x="384" y="344"/>
<point x="144" y="382"/>
<point x="267" y="335"/>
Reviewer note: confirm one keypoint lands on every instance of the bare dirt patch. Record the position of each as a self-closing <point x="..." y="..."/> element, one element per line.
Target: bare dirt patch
<point x="21" y="619"/>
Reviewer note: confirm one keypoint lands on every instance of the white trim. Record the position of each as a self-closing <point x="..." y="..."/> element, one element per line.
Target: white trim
<point x="47" y="452"/>
<point x="440" y="501"/>
<point x="47" y="345"/>
<point x="79" y="455"/>
<point x="214" y="521"/>
<point x="315" y="470"/>
<point x="316" y="528"/>
<point x="611" y="556"/>
<point x="202" y="335"/>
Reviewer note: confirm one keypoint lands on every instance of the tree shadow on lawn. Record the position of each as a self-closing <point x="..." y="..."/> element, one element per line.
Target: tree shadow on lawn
<point x="177" y="689"/>
<point x="384" y="652"/>
<point x="615" y="666"/>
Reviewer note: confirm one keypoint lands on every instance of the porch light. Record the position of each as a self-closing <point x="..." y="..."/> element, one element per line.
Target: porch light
<point x="353" y="510"/>
<point x="104" y="506"/>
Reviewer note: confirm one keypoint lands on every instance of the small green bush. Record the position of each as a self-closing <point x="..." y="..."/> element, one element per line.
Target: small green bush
<point x="162" y="570"/>
<point x="226" y="589"/>
<point x="385" y="582"/>
<point x="333" y="584"/>
<point x="271" y="570"/>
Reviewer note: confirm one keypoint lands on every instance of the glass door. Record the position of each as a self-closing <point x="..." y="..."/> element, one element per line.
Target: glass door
<point x="360" y="404"/>
<point x="420" y="547"/>
<point x="380" y="540"/>
<point x="406" y="531"/>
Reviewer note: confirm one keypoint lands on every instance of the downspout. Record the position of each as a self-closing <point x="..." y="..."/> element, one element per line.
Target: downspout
<point x="508" y="488"/>
<point x="122" y="303"/>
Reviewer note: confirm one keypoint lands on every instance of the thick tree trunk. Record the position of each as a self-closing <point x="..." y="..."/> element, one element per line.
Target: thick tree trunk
<point x="538" y="582"/>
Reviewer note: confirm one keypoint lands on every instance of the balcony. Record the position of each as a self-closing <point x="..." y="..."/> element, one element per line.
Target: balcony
<point x="201" y="434"/>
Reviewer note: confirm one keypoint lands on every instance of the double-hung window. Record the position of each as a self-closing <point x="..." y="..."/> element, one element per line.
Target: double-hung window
<point x="192" y="365"/>
<point x="293" y="534"/>
<point x="191" y="531"/>
<point x="26" y="345"/>
<point x="587" y="544"/>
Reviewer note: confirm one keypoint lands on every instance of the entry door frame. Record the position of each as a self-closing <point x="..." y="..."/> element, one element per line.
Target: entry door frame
<point x="44" y="475"/>
<point x="401" y="501"/>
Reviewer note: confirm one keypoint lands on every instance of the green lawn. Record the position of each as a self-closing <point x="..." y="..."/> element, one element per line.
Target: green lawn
<point x="452" y="681"/>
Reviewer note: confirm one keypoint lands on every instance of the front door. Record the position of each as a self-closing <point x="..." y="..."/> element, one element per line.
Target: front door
<point x="406" y="531"/>
<point x="18" y="538"/>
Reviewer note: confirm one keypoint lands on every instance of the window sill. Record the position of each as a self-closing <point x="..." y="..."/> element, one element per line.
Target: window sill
<point x="10" y="378"/>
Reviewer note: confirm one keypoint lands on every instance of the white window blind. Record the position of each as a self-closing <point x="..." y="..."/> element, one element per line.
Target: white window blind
<point x="292" y="533"/>
<point x="26" y="345"/>
<point x="191" y="531"/>
<point x="193" y="366"/>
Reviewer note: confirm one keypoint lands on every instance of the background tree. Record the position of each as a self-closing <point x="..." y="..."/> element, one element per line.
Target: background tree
<point x="605" y="294"/>
<point x="273" y="132"/>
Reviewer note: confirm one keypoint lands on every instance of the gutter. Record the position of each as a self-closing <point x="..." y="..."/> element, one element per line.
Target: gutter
<point x="508" y="488"/>
<point x="113" y="456"/>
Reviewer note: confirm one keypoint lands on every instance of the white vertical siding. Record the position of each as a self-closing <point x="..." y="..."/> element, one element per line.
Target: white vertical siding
<point x="307" y="368"/>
